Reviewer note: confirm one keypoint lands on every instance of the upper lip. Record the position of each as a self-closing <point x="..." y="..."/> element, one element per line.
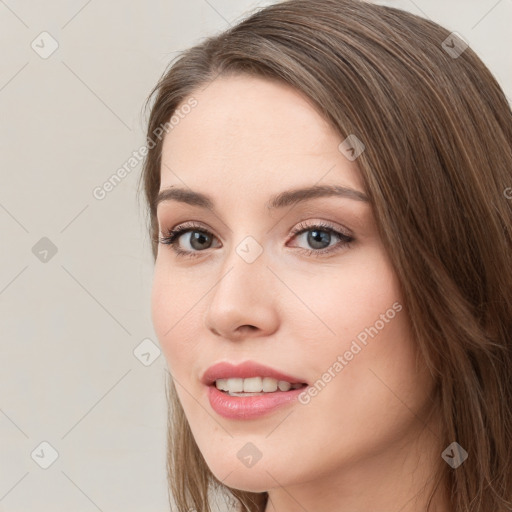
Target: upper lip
<point x="247" y="369"/>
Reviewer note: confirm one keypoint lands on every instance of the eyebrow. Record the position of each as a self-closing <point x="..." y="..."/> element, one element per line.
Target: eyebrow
<point x="281" y="200"/>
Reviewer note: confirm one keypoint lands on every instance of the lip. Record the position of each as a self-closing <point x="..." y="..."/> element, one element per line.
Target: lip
<point x="247" y="407"/>
<point x="245" y="370"/>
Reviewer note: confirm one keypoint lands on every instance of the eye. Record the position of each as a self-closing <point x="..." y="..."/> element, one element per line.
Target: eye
<point x="200" y="240"/>
<point x="320" y="236"/>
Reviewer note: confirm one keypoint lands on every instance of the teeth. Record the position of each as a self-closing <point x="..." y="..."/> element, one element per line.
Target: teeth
<point x="283" y="385"/>
<point x="269" y="384"/>
<point x="254" y="385"/>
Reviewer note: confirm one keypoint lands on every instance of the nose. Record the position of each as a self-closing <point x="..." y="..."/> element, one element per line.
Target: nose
<point x="244" y="300"/>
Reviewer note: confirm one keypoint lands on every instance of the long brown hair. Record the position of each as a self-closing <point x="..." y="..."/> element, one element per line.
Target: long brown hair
<point x="437" y="167"/>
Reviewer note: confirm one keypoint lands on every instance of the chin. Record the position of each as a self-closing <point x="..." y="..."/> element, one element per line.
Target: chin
<point x="249" y="480"/>
<point x="231" y="469"/>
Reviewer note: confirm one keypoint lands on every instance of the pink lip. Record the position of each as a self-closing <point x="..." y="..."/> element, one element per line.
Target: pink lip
<point x="249" y="407"/>
<point x="244" y="371"/>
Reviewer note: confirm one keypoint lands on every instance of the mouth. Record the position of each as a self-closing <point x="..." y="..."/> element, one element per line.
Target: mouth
<point x="249" y="390"/>
<point x="251" y="405"/>
<point x="255" y="386"/>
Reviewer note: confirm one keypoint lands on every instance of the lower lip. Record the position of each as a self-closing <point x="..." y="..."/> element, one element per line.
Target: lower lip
<point x="249" y="407"/>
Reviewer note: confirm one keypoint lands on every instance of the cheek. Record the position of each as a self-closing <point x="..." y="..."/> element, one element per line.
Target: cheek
<point x="162" y="315"/>
<point x="358" y="349"/>
<point x="339" y="302"/>
<point x="172" y="306"/>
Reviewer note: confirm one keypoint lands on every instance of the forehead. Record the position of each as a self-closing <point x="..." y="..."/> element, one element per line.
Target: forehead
<point x="249" y="133"/>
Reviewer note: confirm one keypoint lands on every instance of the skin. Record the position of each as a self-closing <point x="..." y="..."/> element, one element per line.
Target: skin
<point x="363" y="442"/>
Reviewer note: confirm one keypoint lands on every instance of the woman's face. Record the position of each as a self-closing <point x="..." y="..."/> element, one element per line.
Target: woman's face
<point x="304" y="287"/>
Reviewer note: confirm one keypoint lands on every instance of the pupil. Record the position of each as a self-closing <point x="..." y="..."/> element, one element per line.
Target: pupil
<point x="316" y="236"/>
<point x="197" y="236"/>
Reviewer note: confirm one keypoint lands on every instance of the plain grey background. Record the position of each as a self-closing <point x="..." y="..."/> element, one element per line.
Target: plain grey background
<point x="82" y="384"/>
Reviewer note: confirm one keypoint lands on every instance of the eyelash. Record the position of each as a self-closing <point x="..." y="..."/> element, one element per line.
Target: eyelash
<point x="173" y="235"/>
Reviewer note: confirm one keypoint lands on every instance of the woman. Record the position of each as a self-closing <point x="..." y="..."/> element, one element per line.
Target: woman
<point x="327" y="189"/>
